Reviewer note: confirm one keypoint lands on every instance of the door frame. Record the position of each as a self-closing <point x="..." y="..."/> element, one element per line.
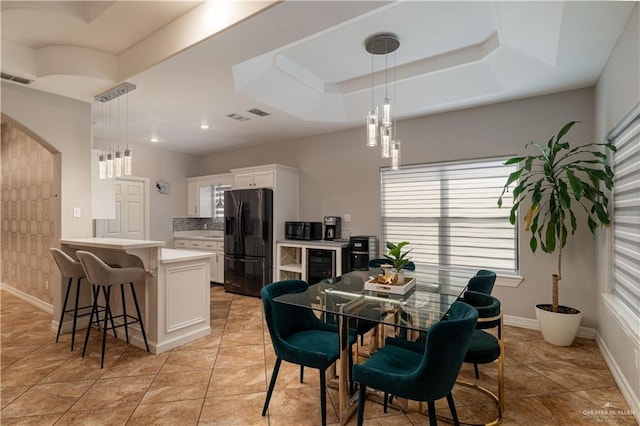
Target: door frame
<point x="101" y="224"/>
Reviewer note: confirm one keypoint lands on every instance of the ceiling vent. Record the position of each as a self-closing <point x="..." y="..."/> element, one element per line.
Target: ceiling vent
<point x="258" y="112"/>
<point x="237" y="117"/>
<point x="16" y="79"/>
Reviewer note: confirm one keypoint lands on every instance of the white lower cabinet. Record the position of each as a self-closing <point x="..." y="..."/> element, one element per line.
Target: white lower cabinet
<point x="215" y="247"/>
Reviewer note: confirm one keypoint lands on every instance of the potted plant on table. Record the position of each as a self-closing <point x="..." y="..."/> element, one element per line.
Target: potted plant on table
<point x="557" y="180"/>
<point x="399" y="259"/>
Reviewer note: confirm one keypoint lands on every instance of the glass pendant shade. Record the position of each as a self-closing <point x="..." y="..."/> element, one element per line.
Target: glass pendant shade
<point x="372" y="127"/>
<point x="109" y="165"/>
<point x="385" y="141"/>
<point x="102" y="167"/>
<point x="118" y="163"/>
<point x="386" y="112"/>
<point x="128" y="161"/>
<point x="395" y="155"/>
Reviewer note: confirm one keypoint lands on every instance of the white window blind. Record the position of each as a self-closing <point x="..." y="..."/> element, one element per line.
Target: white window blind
<point x="218" y="200"/>
<point x="626" y="215"/>
<point x="449" y="214"/>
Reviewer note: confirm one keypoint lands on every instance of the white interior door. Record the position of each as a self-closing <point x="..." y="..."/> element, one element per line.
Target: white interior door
<point x="130" y="211"/>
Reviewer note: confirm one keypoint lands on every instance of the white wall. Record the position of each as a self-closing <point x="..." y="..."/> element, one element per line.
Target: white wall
<point x="617" y="92"/>
<point x="339" y="175"/>
<point x="63" y="125"/>
<point x="172" y="167"/>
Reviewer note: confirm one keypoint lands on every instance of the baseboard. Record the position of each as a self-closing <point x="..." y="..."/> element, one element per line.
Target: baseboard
<point x="532" y="324"/>
<point x="621" y="381"/>
<point x="42" y="305"/>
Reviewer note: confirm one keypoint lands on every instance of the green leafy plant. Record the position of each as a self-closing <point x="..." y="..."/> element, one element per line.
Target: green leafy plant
<point x="557" y="180"/>
<point x="398" y="258"/>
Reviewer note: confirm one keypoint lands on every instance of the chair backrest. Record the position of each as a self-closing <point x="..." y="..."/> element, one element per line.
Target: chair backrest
<point x="284" y="320"/>
<point x="97" y="271"/>
<point x="487" y="307"/>
<point x="375" y="263"/>
<point x="447" y="344"/>
<point x="68" y="266"/>
<point x="483" y="281"/>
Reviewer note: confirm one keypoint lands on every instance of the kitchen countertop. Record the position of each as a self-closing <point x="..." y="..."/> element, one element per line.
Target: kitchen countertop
<point x="315" y="243"/>
<point x="112" y="243"/>
<point x="173" y="255"/>
<point x="204" y="235"/>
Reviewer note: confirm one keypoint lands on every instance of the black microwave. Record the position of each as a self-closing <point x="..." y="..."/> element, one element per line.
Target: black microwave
<point x="303" y="230"/>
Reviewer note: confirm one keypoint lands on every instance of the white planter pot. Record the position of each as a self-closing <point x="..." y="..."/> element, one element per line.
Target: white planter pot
<point x="557" y="328"/>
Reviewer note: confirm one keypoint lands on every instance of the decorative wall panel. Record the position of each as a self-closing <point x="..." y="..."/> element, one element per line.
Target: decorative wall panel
<point x="26" y="211"/>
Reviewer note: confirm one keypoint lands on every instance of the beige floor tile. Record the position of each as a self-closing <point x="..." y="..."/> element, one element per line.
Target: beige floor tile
<point x="237" y="410"/>
<point x="240" y="356"/>
<point x="11" y="354"/>
<point x="45" y="420"/>
<point x="46" y="399"/>
<point x="250" y="336"/>
<point x="114" y="392"/>
<point x="585" y="373"/>
<point x="300" y="406"/>
<point x="212" y="341"/>
<point x="189" y="361"/>
<point x="227" y="381"/>
<point x="10" y="393"/>
<point x="181" y="413"/>
<point x="136" y="362"/>
<point x="178" y="386"/>
<point x="114" y="416"/>
<point x="27" y="372"/>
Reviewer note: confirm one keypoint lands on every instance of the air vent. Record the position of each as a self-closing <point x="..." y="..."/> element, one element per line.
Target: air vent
<point x="16" y="79"/>
<point x="237" y="117"/>
<point x="258" y="112"/>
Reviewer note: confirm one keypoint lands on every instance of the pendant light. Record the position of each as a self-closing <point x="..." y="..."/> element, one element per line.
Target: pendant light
<point x="102" y="161"/>
<point x="382" y="44"/>
<point x="113" y="164"/>
<point x="372" y="117"/>
<point x="128" y="152"/>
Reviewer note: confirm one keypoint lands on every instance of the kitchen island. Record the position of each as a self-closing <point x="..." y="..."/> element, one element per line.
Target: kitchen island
<point x="174" y="297"/>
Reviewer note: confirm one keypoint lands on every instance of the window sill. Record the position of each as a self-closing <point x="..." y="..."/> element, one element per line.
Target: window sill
<point x="512" y="281"/>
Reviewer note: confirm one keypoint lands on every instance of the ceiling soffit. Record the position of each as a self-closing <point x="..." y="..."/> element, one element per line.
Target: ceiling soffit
<point x="303" y="78"/>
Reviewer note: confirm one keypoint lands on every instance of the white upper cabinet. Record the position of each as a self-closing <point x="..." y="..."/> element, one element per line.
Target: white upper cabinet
<point x="254" y="179"/>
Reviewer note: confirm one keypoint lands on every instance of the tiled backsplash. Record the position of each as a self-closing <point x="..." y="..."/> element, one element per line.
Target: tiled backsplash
<point x="196" y="224"/>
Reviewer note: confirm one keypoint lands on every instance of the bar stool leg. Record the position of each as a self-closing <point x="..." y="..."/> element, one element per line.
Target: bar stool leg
<point x="104" y="330"/>
<point x="124" y="312"/>
<point x="75" y="314"/>
<point x="135" y="301"/>
<point x="64" y="309"/>
<point x="94" y="309"/>
<point x="108" y="311"/>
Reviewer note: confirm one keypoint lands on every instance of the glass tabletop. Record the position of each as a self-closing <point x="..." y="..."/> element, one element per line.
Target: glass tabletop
<point x="428" y="301"/>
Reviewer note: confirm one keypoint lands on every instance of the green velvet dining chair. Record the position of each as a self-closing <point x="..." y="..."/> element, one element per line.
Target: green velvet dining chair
<point x="299" y="337"/>
<point x="421" y="376"/>
<point x="486" y="347"/>
<point x="482" y="282"/>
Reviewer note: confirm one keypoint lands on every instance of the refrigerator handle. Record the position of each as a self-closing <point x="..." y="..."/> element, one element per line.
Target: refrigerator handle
<point x="240" y="220"/>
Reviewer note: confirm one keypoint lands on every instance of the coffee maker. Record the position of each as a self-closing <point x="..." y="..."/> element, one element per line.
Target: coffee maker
<point x="331" y="228"/>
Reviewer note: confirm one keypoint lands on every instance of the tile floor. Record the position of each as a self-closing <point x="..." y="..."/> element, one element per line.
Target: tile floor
<point x="221" y="379"/>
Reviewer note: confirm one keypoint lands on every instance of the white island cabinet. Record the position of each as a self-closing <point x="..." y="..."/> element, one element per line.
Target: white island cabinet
<point x="174" y="297"/>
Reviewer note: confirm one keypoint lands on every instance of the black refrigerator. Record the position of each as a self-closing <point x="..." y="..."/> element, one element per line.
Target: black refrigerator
<point x="248" y="235"/>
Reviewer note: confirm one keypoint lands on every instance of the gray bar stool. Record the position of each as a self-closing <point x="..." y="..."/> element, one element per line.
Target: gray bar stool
<point x="71" y="269"/>
<point x="101" y="275"/>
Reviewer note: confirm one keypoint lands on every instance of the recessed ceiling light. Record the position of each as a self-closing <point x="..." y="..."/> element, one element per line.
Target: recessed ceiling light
<point x="204" y="126"/>
<point x="154" y="140"/>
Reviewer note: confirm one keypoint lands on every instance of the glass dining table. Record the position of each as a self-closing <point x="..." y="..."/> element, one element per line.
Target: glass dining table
<point x="345" y="298"/>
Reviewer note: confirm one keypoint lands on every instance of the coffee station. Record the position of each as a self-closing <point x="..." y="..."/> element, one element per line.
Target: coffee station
<point x="313" y="251"/>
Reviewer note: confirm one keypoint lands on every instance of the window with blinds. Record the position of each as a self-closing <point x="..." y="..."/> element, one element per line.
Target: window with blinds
<point x="218" y="199"/>
<point x="626" y="214"/>
<point x="449" y="214"/>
